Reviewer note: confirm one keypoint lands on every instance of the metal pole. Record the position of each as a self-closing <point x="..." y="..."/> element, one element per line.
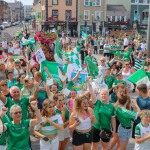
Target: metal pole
<point x="92" y="24"/>
<point x="148" y="33"/>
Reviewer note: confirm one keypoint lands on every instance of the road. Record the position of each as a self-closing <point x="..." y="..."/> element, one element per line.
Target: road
<point x="9" y="32"/>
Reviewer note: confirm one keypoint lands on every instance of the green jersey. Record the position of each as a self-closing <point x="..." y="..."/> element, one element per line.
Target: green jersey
<point x="116" y="82"/>
<point x="23" y="103"/>
<point x="113" y="98"/>
<point x="96" y="114"/>
<point x="125" y="116"/>
<point x="127" y="56"/>
<point x="106" y="112"/>
<point x="66" y="113"/>
<point x="18" y="135"/>
<point x="109" y="81"/>
<point x="19" y="85"/>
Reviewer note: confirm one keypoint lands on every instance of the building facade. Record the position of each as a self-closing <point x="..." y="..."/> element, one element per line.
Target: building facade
<point x="117" y="17"/>
<point x="27" y="12"/>
<point x="60" y="14"/>
<point x="4" y="12"/>
<point x="17" y="11"/>
<point x="139" y="11"/>
<point x="90" y="15"/>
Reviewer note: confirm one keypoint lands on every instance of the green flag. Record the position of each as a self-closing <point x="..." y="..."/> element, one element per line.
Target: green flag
<point x="139" y="77"/>
<point x="92" y="68"/>
<point x="58" y="52"/>
<point x="73" y="57"/>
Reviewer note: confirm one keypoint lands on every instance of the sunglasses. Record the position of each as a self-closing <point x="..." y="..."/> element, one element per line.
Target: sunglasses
<point x="16" y="113"/>
<point x="126" y="64"/>
<point x="4" y="85"/>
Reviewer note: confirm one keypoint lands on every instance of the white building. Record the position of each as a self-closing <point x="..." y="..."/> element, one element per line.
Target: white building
<point x="27" y="11"/>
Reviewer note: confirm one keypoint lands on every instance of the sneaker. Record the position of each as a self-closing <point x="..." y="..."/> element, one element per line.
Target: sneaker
<point x="133" y="91"/>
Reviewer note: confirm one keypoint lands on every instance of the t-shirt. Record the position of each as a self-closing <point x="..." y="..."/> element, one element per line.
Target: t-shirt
<point x="18" y="135"/>
<point x="66" y="113"/>
<point x="139" y="63"/>
<point x="116" y="82"/>
<point x="141" y="131"/>
<point x="11" y="83"/>
<point x="113" y="98"/>
<point x="125" y="116"/>
<point x="109" y="81"/>
<point x="127" y="56"/>
<point x="23" y="103"/>
<point x="49" y="129"/>
<point x="107" y="48"/>
<point x="106" y="111"/>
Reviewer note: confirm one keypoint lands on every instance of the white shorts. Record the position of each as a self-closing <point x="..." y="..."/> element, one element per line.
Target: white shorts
<point x="49" y="145"/>
<point x="62" y="135"/>
<point x="3" y="147"/>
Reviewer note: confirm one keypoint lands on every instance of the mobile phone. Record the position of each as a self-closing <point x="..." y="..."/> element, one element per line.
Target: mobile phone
<point x="45" y="139"/>
<point x="76" y="118"/>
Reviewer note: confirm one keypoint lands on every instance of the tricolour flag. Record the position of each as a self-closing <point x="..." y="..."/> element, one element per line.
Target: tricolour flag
<point x="73" y="57"/>
<point x="92" y="68"/>
<point x="54" y="71"/>
<point x="84" y="35"/>
<point x="58" y="52"/>
<point x="139" y="77"/>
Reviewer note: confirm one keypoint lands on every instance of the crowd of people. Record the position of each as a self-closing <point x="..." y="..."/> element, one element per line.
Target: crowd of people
<point x="88" y="118"/>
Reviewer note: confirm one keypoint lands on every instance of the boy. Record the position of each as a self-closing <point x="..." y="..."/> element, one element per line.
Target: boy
<point x="142" y="132"/>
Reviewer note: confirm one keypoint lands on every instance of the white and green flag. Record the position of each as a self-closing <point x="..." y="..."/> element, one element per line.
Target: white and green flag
<point x="73" y="57"/>
<point x="58" y="52"/>
<point x="139" y="77"/>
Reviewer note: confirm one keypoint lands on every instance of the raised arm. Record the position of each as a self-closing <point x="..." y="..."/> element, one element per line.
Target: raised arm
<point x="35" y="95"/>
<point x="76" y="77"/>
<point x="37" y="113"/>
<point x="93" y="96"/>
<point x="48" y="73"/>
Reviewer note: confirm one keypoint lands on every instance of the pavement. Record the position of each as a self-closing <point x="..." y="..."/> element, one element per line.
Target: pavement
<point x="8" y="33"/>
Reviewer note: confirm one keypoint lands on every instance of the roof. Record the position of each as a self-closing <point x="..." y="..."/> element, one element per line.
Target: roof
<point x="116" y="8"/>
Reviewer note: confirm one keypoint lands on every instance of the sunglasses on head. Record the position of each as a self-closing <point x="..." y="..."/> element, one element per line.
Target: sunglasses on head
<point x="17" y="112"/>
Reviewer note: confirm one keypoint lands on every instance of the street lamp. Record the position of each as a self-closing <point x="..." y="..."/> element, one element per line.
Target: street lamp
<point x="92" y="23"/>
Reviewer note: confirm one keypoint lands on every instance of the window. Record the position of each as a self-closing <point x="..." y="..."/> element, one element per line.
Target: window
<point x="68" y="2"/>
<point x="86" y="2"/>
<point x="122" y="18"/>
<point x="54" y="2"/>
<point x="136" y="1"/>
<point x="97" y="15"/>
<point x="145" y="2"/>
<point x="55" y="13"/>
<point x="113" y="18"/>
<point x="98" y="2"/>
<point x="86" y="14"/>
<point x="68" y="14"/>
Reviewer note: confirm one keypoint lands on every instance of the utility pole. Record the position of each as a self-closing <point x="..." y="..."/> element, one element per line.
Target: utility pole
<point x="148" y="34"/>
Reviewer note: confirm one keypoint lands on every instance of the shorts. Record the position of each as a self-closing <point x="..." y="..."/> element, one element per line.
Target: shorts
<point x="107" y="54"/>
<point x="79" y="138"/>
<point x="95" y="135"/>
<point x="124" y="134"/>
<point x="62" y="135"/>
<point x="52" y="144"/>
<point x="3" y="147"/>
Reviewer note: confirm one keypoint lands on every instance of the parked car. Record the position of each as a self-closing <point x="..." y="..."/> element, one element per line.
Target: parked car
<point x="2" y="27"/>
<point x="6" y="24"/>
<point x="14" y="23"/>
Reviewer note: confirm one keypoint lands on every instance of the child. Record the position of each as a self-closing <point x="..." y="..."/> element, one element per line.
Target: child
<point x="142" y="132"/>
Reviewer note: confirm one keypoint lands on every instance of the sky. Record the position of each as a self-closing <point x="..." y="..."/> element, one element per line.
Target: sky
<point x="25" y="2"/>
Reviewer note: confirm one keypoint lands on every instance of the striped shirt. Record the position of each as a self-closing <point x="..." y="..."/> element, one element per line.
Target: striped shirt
<point x="49" y="129"/>
<point x="139" y="63"/>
